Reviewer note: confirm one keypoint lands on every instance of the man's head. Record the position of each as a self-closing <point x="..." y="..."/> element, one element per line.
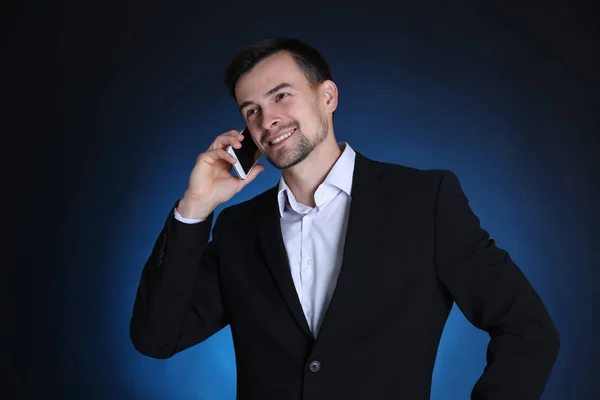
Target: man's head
<point x="284" y="86"/>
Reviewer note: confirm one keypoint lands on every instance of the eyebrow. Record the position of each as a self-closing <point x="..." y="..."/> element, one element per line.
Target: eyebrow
<point x="270" y="92"/>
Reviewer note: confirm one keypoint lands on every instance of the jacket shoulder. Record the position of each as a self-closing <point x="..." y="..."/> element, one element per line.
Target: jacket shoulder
<point x="411" y="175"/>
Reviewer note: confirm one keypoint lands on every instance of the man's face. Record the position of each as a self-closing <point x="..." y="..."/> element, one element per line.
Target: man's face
<point x="283" y="112"/>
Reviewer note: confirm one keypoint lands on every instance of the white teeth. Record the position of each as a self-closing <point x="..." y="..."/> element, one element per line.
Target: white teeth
<point x="280" y="138"/>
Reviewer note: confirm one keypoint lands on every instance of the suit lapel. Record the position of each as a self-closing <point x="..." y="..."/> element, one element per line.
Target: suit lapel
<point x="365" y="207"/>
<point x="271" y="238"/>
<point x="367" y="212"/>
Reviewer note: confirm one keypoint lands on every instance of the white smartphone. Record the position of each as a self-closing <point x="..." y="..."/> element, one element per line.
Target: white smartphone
<point x="246" y="156"/>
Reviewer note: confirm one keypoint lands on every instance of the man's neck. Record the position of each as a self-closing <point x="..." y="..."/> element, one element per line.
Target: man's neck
<point x="304" y="179"/>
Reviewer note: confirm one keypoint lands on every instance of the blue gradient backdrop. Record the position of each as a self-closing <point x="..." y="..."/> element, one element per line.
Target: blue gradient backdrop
<point x="503" y="97"/>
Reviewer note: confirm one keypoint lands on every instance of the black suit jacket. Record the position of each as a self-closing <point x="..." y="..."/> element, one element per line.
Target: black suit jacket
<point x="413" y="247"/>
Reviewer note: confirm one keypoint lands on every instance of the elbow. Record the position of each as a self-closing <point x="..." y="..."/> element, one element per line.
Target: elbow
<point x="148" y="346"/>
<point x="148" y="350"/>
<point x="548" y="341"/>
<point x="554" y="340"/>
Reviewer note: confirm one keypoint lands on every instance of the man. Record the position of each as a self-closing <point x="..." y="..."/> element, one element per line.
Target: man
<point x="338" y="281"/>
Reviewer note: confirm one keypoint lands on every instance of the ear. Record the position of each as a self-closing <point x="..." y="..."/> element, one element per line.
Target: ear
<point x="329" y="95"/>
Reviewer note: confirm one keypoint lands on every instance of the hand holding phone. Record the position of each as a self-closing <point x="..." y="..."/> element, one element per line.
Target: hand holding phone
<point x="247" y="155"/>
<point x="211" y="182"/>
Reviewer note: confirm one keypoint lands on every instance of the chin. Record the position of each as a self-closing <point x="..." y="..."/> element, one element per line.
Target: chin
<point x="283" y="163"/>
<point x="292" y="153"/>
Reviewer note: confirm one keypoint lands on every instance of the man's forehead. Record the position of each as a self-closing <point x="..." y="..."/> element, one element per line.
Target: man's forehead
<point x="267" y="74"/>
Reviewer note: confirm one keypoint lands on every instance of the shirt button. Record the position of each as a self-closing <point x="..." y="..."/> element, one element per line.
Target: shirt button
<point x="309" y="262"/>
<point x="314" y="366"/>
<point x="310" y="314"/>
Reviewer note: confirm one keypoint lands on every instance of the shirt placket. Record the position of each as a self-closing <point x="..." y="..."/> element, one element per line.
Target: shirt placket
<point x="307" y="274"/>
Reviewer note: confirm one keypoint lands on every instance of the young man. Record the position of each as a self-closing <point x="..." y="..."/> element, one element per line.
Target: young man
<point x="338" y="281"/>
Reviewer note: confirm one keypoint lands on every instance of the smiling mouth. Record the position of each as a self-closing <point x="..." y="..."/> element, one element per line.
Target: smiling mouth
<point x="282" y="138"/>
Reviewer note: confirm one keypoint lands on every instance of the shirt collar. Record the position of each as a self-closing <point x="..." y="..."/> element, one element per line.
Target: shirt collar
<point x="339" y="177"/>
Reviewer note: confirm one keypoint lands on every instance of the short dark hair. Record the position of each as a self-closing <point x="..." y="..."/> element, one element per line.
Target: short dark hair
<point x="308" y="59"/>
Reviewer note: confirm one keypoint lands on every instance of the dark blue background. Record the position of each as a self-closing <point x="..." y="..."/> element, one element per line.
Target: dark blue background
<point x="126" y="96"/>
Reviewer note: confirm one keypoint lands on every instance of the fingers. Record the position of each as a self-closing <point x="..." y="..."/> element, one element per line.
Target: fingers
<point x="214" y="155"/>
<point x="258" y="168"/>
<point x="231" y="138"/>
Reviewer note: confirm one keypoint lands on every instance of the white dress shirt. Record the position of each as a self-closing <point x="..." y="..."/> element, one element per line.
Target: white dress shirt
<point x="314" y="236"/>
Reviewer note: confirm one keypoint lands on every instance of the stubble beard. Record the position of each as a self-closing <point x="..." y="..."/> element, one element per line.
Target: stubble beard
<point x="292" y="157"/>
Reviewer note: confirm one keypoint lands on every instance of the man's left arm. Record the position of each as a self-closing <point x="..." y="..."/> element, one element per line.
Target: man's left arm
<point x="494" y="295"/>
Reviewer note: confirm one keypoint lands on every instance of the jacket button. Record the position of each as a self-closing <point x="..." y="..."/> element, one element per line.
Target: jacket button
<point x="314" y="366"/>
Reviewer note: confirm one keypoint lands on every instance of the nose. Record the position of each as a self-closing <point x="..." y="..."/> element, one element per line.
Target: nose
<point x="270" y="119"/>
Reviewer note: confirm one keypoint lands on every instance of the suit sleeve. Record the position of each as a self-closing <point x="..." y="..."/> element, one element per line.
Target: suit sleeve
<point x="495" y="296"/>
<point x="178" y="302"/>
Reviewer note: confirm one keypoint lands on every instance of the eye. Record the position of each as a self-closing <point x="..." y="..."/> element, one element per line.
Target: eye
<point x="282" y="95"/>
<point x="250" y="112"/>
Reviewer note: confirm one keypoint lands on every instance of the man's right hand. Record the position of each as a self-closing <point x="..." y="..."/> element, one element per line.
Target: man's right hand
<point x="211" y="182"/>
